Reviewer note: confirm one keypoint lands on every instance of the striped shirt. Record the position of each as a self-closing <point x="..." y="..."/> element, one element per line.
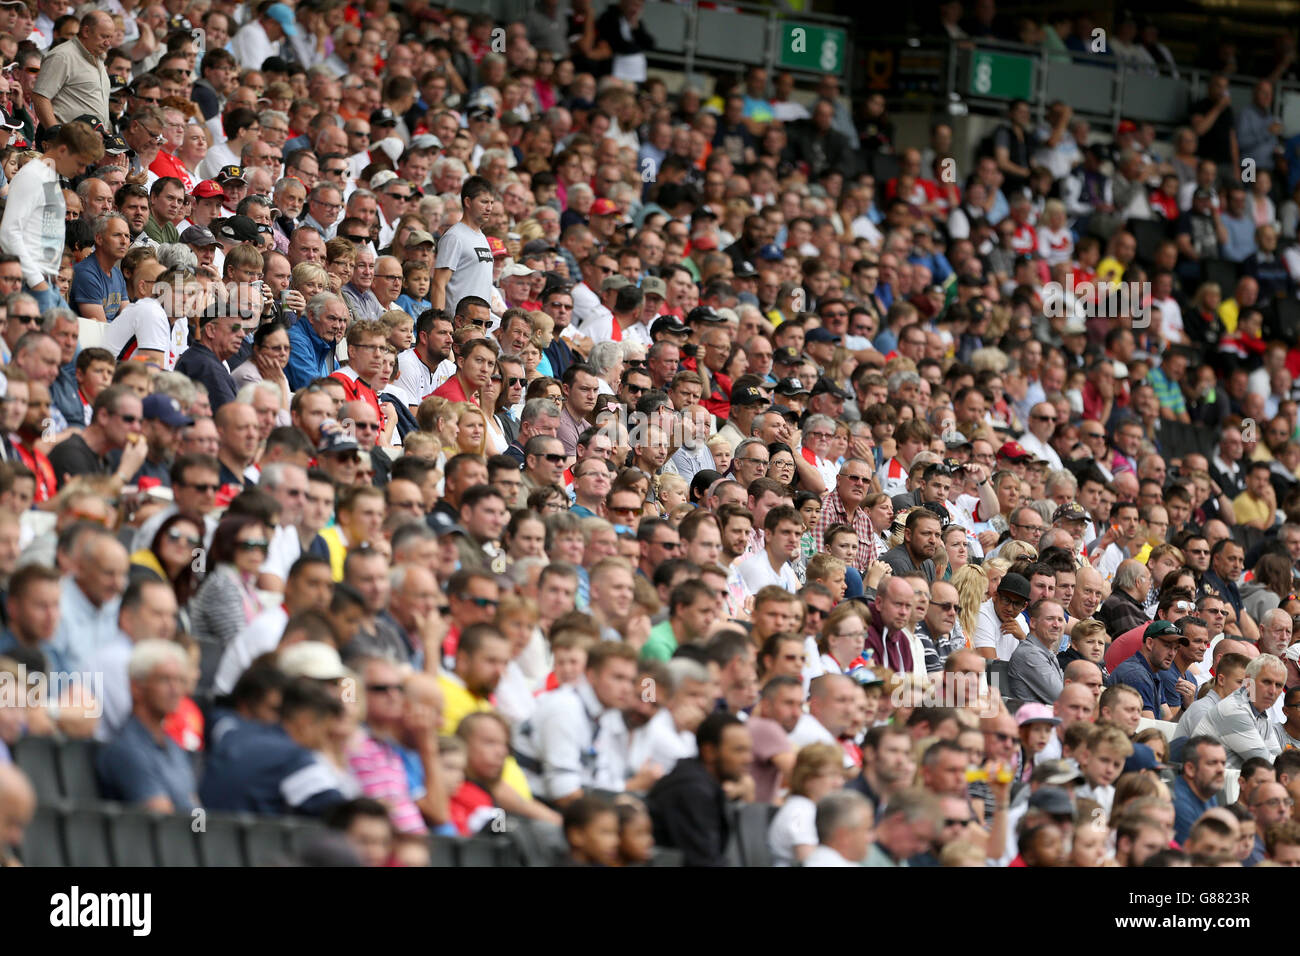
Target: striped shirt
<point x="833" y="513"/>
<point x="1168" y="393"/>
<point x="382" y="775"/>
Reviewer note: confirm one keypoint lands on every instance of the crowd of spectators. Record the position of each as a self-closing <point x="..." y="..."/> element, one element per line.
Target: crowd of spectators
<point x="431" y="423"/>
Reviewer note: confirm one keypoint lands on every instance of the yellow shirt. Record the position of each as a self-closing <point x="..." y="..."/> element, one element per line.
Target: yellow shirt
<point x="457" y="704"/>
<point x="1248" y="508"/>
<point x="338" y="550"/>
<point x="1110" y="270"/>
<point x="1228" y="312"/>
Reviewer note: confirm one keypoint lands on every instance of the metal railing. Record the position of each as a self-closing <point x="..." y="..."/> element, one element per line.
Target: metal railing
<point x="1102" y="88"/>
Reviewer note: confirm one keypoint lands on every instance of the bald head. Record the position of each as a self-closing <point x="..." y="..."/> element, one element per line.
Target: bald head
<point x="1075" y="703"/>
<point x="1231" y="646"/>
<point x="1081" y="672"/>
<point x="828" y="685"/>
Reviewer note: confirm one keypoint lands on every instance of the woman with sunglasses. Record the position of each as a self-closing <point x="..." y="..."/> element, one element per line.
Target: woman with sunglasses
<point x="170" y="558"/>
<point x="268" y="362"/>
<point x="509" y="402"/>
<point x="227" y="600"/>
<point x="489" y="399"/>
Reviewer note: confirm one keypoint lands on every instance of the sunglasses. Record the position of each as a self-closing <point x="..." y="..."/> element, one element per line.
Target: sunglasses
<point x="482" y="602"/>
<point x="182" y="538"/>
<point x="253" y="544"/>
<point x="384" y="688"/>
<point x="553" y="458"/>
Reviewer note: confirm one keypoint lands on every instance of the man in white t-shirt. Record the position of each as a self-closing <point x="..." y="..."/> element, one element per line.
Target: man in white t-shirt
<point x="783" y="529"/>
<point x="148" y="329"/>
<point x="423" y="365"/>
<point x="464" y="263"/>
<point x="998" y="629"/>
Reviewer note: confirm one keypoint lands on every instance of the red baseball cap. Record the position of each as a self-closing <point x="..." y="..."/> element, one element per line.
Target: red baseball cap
<point x="1013" y="451"/>
<point x="497" y="246"/>
<point x="208" y="189"/>
<point x="603" y="207"/>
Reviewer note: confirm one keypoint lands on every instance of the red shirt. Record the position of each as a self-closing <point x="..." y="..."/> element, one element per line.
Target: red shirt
<point x="165" y="164"/>
<point x="453" y="391"/>
<point x="358" y="391"/>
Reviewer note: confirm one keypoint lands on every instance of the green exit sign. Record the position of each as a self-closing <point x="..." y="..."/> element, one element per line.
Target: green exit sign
<point x="1004" y="76"/>
<point x="817" y="49"/>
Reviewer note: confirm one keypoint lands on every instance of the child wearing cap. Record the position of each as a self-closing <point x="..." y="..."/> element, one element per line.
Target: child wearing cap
<point x="1036" y="723"/>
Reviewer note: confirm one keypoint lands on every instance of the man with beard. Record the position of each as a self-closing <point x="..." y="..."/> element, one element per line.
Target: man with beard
<point x="921" y="541"/>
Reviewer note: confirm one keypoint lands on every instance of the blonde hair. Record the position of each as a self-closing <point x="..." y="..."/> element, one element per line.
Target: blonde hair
<point x="1014" y="550"/>
<point x="543" y="329"/>
<point x="812" y="761"/>
<point x="972" y="584"/>
<point x="393" y="319"/>
<point x="666" y="482"/>
<point x="309" y="272"/>
<point x="421" y="445"/>
<point x="823" y="566"/>
<point x="460" y="410"/>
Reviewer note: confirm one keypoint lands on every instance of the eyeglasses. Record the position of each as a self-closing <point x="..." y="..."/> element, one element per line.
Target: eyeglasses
<point x="482" y="602"/>
<point x="205" y="489"/>
<point x="813" y="610"/>
<point x="624" y="511"/>
<point x="128" y="419"/>
<point x="944" y="606"/>
<point x="854" y="478"/>
<point x="181" y="538"/>
<point x="253" y="544"/>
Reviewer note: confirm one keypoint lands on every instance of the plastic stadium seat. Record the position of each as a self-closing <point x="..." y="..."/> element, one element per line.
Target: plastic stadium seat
<point x="43" y="839"/>
<point x="176" y="842"/>
<point x="751" y="822"/>
<point x="264" y="842"/>
<point x="666" y="856"/>
<point x="130" y="837"/>
<point x="221" y="842"/>
<point x="1149" y="233"/>
<point x="478" y="851"/>
<point x="1221" y="271"/>
<point x="442" y="850"/>
<point x="36" y="756"/>
<point x="85" y="834"/>
<point x="298" y="834"/>
<point x="77" y="769"/>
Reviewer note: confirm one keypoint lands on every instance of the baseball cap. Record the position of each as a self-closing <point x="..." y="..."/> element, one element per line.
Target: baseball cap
<point x="789" y="414"/>
<point x="790" y="387"/>
<point x="1075" y="326"/>
<point x="1203" y="193"/>
<point x="786" y="355"/>
<point x="235" y="229"/>
<point x="517" y="270"/>
<point x="479" y="112"/>
<point x="614" y="283"/>
<point x="771" y="253"/>
<point x="426" y="141"/>
<point x="744" y="271"/>
<point x="383" y="117"/>
<point x="1013" y="451"/>
<point x="443" y="524"/>
<point x="825" y="386"/>
<point x="1142" y="758"/>
<point x="1056" y="773"/>
<point x="653" y="285"/>
<point x="820" y="334"/>
<point x="704" y="212"/>
<point x="335" y="442"/>
<point x="1036" y="713"/>
<point x="227" y="173"/>
<point x="1164" y="629"/>
<point x="705" y="242"/>
<point x="1070" y="511"/>
<point x="283" y="15"/>
<point x="1053" y="801"/>
<point x="535" y="246"/>
<point x="382" y="178"/>
<point x="497" y="246"/>
<point x="199" y="236"/>
<point x="702" y="313"/>
<point x="418" y="237"/>
<point x="208" y="189"/>
<point x="955" y="440"/>
<point x="8" y="122"/>
<point x="165" y="409"/>
<point x="314" y="659"/>
<point x="1014" y="585"/>
<point x="114" y="145"/>
<point x="749" y="395"/>
<point x="669" y="324"/>
<point x="603" y="207"/>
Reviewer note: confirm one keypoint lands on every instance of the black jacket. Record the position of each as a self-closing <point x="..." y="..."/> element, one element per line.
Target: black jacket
<point x="689" y="810"/>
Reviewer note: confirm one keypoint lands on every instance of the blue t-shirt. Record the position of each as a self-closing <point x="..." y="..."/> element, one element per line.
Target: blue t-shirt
<point x="90" y="286"/>
<point x="133" y="767"/>
<point x="1137" y="673"/>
